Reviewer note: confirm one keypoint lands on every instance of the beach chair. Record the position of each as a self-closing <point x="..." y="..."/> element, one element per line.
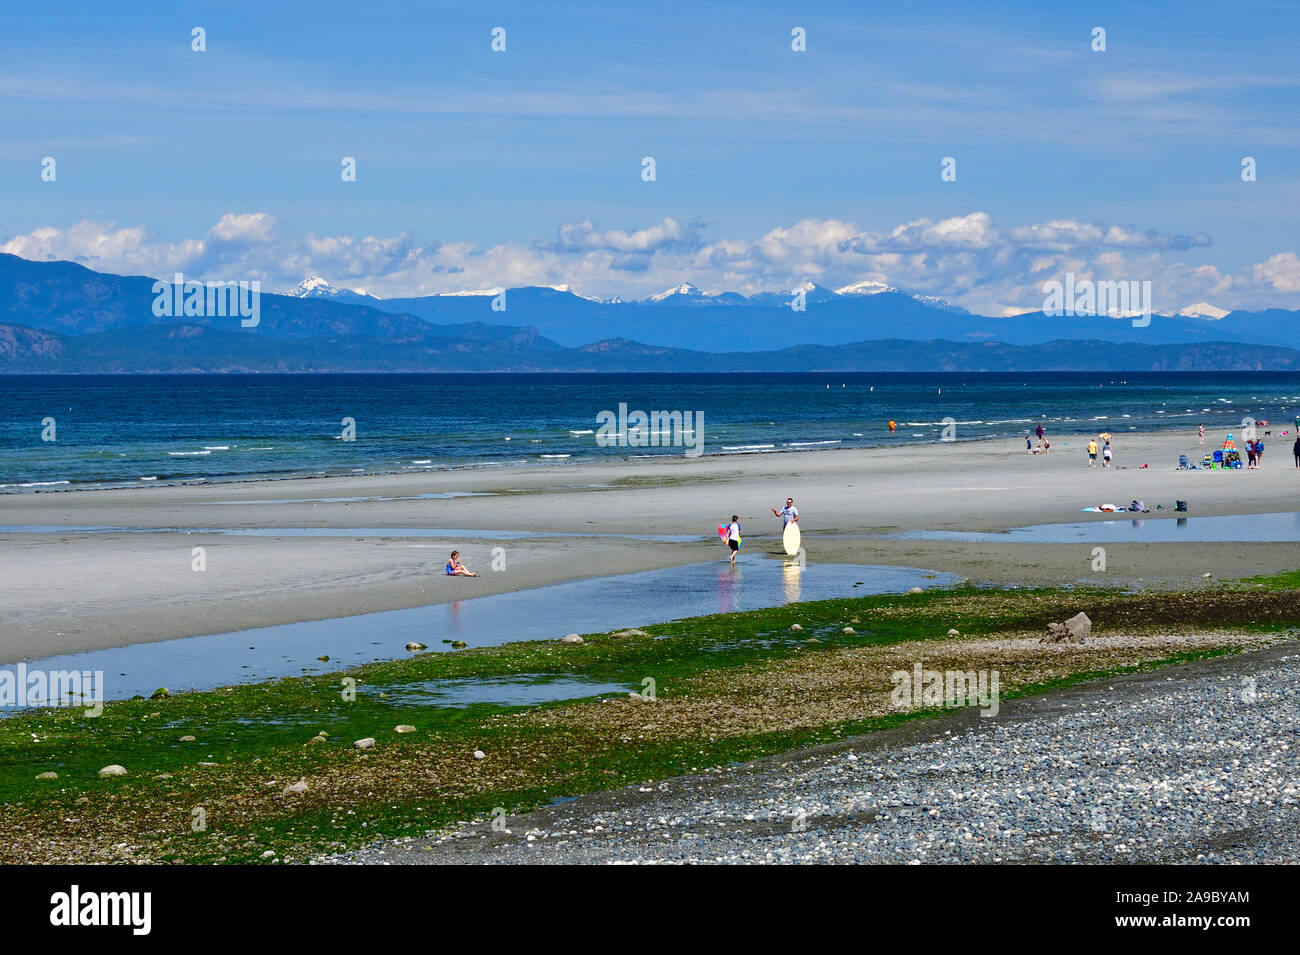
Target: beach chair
<point x="1218" y="457"/>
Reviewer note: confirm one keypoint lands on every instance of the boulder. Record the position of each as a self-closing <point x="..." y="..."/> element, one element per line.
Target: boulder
<point x="1074" y="630"/>
<point x="405" y="728"/>
<point x="416" y="646"/>
<point x="113" y="770"/>
<point x="571" y="638"/>
<point x="367" y="743"/>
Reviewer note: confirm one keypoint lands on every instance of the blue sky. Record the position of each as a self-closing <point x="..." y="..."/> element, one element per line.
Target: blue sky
<point x="478" y="169"/>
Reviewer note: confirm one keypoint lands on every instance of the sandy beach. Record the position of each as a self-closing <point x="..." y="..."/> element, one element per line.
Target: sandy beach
<point x="66" y="590"/>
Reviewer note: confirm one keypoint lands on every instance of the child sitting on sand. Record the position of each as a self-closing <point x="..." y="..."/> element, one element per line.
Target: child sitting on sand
<point x="456" y="569"/>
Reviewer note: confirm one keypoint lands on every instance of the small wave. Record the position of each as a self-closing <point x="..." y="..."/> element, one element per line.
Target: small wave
<point x="556" y="456"/>
<point x="423" y="461"/>
<point x="153" y="477"/>
<point x="810" y="444"/>
<point x="577" y="434"/>
<point x="216" y="447"/>
<point x="748" y="447"/>
<point x="188" y="454"/>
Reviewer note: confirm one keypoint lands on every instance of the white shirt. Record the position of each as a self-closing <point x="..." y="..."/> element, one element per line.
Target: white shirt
<point x="788" y="513"/>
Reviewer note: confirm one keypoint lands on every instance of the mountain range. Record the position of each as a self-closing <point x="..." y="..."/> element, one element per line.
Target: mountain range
<point x="60" y="317"/>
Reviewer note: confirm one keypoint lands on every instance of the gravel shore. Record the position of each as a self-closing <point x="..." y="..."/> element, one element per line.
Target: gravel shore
<point x="1195" y="763"/>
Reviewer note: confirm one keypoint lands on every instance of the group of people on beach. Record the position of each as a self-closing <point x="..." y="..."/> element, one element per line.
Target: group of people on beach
<point x="1106" y="452"/>
<point x="1044" y="446"/>
<point x="788" y="514"/>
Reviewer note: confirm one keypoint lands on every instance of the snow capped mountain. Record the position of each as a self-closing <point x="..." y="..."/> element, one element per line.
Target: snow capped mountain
<point x="935" y="302"/>
<point x="1202" y="310"/>
<point x="317" y="287"/>
<point x="812" y="292"/>
<point x="865" y="288"/>
<point x="685" y="290"/>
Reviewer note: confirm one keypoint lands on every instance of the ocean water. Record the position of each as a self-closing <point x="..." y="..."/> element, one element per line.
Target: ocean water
<point x="112" y="431"/>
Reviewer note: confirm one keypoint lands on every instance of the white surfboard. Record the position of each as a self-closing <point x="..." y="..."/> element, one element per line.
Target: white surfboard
<point x="790" y="539"/>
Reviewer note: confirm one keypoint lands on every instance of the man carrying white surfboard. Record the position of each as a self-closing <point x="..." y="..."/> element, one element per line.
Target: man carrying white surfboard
<point x="790" y="526"/>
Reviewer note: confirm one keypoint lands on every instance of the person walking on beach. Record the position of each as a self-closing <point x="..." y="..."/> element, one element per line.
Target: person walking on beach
<point x="1250" y="454"/>
<point x="1092" y="454"/>
<point x="733" y="537"/>
<point x="456" y="569"/>
<point x="788" y="514"/>
<point x="1105" y="454"/>
<point x="1295" y="450"/>
<point x="1259" y="453"/>
<point x="1200" y="434"/>
<point x="1040" y="432"/>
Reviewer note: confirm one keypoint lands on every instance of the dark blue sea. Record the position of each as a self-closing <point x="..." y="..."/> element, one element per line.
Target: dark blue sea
<point x="139" y="430"/>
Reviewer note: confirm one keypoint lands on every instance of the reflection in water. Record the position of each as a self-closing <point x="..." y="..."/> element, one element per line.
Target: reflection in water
<point x="729" y="579"/>
<point x="793" y="579"/>
<point x="1182" y="521"/>
<point x="589" y="605"/>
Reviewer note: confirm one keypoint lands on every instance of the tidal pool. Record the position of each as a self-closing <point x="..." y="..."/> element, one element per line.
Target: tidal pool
<point x="593" y="605"/>
<point x="1161" y="526"/>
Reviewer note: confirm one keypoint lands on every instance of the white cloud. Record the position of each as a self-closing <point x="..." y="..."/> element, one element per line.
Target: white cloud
<point x="968" y="259"/>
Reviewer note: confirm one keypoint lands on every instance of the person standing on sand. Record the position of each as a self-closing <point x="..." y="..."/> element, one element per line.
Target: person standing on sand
<point x="1040" y="432"/>
<point x="1105" y="455"/>
<point x="1092" y="454"/>
<point x="733" y="537"/>
<point x="1295" y="450"/>
<point x="1259" y="453"/>
<point x="1250" y="455"/>
<point x="456" y="569"/>
<point x="788" y="514"/>
<point x="1200" y="434"/>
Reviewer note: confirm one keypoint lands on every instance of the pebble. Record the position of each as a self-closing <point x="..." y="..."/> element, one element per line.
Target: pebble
<point x="113" y="770"/>
<point x="479" y="754"/>
<point x="187" y="739"/>
<point x="404" y="728"/>
<point x="299" y="787"/>
<point x="1138" y="770"/>
<point x="48" y="776"/>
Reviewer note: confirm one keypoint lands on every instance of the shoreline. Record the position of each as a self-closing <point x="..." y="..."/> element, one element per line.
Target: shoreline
<point x="66" y="592"/>
<point x="900" y="442"/>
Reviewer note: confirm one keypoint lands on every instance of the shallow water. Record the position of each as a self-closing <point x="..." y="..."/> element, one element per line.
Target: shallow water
<point x="448" y="533"/>
<point x="1161" y="526"/>
<point x="593" y="605"/>
<point x="523" y="690"/>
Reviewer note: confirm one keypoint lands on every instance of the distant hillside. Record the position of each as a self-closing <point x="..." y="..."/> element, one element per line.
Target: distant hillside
<point x="62" y="317"/>
<point x="201" y="349"/>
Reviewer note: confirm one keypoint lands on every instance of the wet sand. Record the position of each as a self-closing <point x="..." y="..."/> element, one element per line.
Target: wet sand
<point x="65" y="591"/>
